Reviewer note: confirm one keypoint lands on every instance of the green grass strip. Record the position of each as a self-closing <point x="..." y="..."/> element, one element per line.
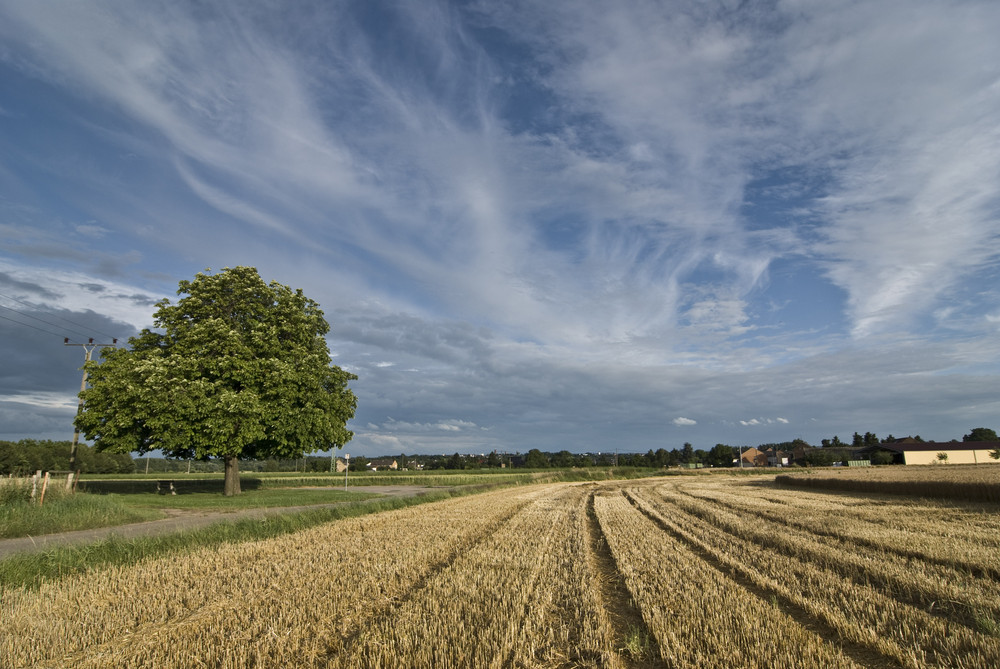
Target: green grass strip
<point x="75" y="512"/>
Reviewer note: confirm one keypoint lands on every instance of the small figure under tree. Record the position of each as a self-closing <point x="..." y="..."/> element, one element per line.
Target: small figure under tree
<point x="241" y="369"/>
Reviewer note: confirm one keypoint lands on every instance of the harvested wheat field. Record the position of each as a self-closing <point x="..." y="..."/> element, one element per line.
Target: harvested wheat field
<point x="693" y="571"/>
<point x="970" y="483"/>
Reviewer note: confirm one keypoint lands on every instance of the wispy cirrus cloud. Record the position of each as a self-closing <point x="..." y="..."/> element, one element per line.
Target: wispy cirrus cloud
<point x="565" y="221"/>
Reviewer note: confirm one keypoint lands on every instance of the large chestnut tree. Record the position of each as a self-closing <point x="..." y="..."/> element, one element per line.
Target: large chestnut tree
<point x="237" y="369"/>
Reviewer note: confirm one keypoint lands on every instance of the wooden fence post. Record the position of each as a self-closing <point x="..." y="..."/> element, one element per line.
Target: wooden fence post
<point x="45" y="485"/>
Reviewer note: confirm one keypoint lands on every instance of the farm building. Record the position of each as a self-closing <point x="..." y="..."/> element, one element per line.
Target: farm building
<point x="778" y="458"/>
<point x="928" y="453"/>
<point x="768" y="457"/>
<point x="381" y="464"/>
<point x="754" y="458"/>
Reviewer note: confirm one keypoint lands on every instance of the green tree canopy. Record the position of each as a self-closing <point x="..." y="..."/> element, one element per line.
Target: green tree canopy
<point x="536" y="459"/>
<point x="238" y="368"/>
<point x="687" y="453"/>
<point x="28" y="455"/>
<point x="981" y="434"/>
<point x="563" y="459"/>
<point x="721" y="455"/>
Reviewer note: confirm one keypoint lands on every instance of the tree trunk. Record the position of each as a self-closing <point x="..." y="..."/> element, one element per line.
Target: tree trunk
<point x="232" y="486"/>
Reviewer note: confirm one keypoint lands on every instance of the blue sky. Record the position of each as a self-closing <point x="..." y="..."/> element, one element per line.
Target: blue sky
<point x="580" y="225"/>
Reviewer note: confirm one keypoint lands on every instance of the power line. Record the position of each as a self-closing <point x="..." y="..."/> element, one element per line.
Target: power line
<point x="35" y="318"/>
<point x="28" y="325"/>
<point x="63" y="318"/>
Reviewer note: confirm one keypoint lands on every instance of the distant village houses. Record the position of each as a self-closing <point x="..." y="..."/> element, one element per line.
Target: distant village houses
<point x="383" y="464"/>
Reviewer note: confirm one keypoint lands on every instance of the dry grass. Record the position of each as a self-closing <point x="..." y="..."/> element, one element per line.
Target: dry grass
<point x="968" y="483"/>
<point x="717" y="571"/>
<point x="698" y="615"/>
<point x="289" y="601"/>
<point x="879" y="597"/>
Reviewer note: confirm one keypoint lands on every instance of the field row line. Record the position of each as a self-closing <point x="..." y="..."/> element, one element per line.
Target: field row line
<point x="941" y="591"/>
<point x="859" y="613"/>
<point x="320" y="582"/>
<point x="500" y="604"/>
<point x="635" y="642"/>
<point x="903" y="546"/>
<point x="698" y="614"/>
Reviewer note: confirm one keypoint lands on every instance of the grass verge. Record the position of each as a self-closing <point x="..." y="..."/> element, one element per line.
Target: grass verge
<point x="84" y="511"/>
<point x="70" y="513"/>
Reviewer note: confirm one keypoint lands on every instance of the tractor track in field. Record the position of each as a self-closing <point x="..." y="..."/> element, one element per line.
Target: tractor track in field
<point x="863" y="655"/>
<point x="972" y="568"/>
<point x="906" y="592"/>
<point x="625" y="617"/>
<point x="182" y="520"/>
<point x="353" y="634"/>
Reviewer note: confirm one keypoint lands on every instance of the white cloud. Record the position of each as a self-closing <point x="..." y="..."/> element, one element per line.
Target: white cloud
<point x="555" y="247"/>
<point x="75" y="291"/>
<point x="451" y="425"/>
<point x="43" y="400"/>
<point x="94" y="231"/>
<point x="764" y="421"/>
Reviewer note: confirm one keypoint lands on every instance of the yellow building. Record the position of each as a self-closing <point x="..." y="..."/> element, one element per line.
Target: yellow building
<point x="944" y="453"/>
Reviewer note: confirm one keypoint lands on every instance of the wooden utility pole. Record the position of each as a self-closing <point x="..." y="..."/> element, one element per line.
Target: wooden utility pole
<point x="89" y="348"/>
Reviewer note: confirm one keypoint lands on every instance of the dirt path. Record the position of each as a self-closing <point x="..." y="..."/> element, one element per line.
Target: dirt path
<point x="181" y="520"/>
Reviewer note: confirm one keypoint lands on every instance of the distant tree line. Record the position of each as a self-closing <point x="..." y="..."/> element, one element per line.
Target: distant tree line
<point x="27" y="456"/>
<point x="871" y="439"/>
<point x="720" y="455"/>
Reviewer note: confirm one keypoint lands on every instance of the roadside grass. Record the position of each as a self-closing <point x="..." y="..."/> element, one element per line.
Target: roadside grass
<point x="73" y="512"/>
<point x="84" y="511"/>
<point x="32" y="569"/>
